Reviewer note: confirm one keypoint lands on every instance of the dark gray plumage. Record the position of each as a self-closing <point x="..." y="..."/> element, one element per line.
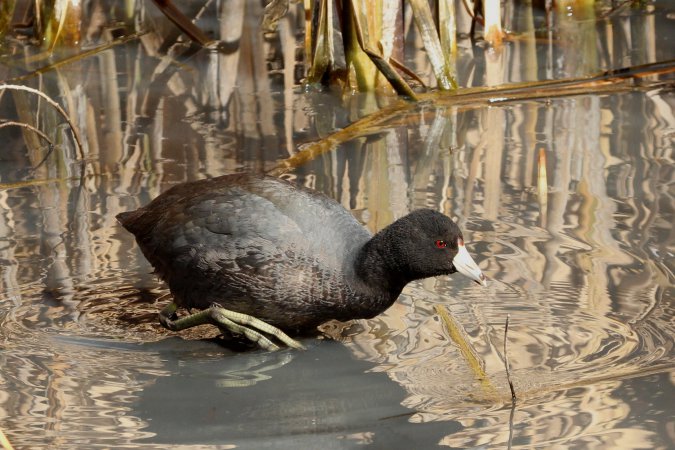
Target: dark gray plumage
<point x="282" y="253"/>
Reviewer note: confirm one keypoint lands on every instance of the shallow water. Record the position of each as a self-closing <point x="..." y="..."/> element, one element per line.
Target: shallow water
<point x="581" y="262"/>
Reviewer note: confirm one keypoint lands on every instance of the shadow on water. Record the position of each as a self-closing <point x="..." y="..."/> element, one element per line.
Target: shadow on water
<point x="265" y="400"/>
<point x="567" y="205"/>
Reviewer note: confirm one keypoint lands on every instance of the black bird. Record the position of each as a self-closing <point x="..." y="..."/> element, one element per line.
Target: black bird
<point x="259" y="255"/>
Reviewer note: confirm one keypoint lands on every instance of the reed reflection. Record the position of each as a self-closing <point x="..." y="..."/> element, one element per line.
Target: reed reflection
<point x="580" y="294"/>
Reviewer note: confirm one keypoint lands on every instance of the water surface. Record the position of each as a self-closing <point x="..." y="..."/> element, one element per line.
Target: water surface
<point x="581" y="261"/>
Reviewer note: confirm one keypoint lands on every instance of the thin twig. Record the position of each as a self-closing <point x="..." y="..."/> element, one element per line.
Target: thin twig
<point x="11" y="123"/>
<point x="50" y="150"/>
<point x="184" y="23"/>
<point x="73" y="128"/>
<point x="70" y="59"/>
<point x="511" y="414"/>
<point x="471" y="14"/>
<point x="403" y="68"/>
<point x="508" y="377"/>
<point x="506" y="363"/>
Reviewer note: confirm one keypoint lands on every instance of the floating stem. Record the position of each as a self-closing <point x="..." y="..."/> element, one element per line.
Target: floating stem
<point x="458" y="336"/>
<point x="608" y="81"/>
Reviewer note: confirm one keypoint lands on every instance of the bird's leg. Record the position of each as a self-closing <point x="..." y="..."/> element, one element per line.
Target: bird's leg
<point x="252" y="323"/>
<point x="167" y="316"/>
<point x="251" y="327"/>
<point x="224" y="323"/>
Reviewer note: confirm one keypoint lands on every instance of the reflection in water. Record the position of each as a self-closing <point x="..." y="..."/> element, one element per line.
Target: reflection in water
<point x="583" y="267"/>
<point x="321" y="398"/>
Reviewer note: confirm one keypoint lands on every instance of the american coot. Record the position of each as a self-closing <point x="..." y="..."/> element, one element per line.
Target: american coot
<point x="259" y="255"/>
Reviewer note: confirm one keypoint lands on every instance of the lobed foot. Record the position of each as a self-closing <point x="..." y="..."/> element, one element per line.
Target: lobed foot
<point x="254" y="329"/>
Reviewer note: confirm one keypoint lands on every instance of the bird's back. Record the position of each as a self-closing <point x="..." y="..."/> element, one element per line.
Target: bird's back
<point x="257" y="245"/>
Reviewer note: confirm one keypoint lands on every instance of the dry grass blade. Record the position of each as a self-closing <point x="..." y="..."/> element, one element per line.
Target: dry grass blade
<point x="322" y="56"/>
<point x="397" y="82"/>
<point x="458" y="335"/>
<point x="447" y="30"/>
<point x="61" y="7"/>
<point x="5" y="442"/>
<point x="608" y="82"/>
<point x="553" y="88"/>
<point x="57" y="23"/>
<point x="70" y="59"/>
<point x="274" y="11"/>
<point x="307" y="7"/>
<point x="73" y="128"/>
<point x="383" y="65"/>
<point x="425" y="24"/>
<point x="6" y="14"/>
<point x="400" y="66"/>
<point x="360" y="31"/>
<point x="32" y="183"/>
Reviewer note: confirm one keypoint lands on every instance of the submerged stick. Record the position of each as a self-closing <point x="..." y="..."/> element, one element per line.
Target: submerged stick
<point x="508" y="378"/>
<point x="507" y="365"/>
<point x="48" y="99"/>
<point x="511" y="414"/>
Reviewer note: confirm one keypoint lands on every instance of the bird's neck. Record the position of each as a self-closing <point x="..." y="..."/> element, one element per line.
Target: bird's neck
<point x="377" y="269"/>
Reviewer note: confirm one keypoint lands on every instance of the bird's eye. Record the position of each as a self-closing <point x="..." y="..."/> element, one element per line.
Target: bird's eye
<point x="441" y="244"/>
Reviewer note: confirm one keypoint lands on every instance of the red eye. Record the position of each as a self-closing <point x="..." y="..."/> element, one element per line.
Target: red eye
<point x="441" y="244"/>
